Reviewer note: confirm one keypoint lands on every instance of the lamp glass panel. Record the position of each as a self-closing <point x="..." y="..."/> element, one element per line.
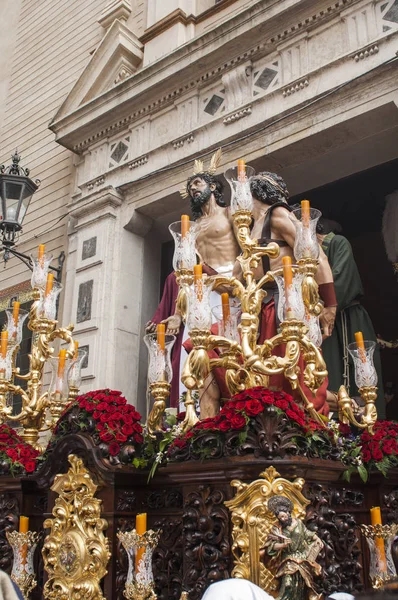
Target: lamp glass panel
<point x="24" y="205"/>
<point x="13" y="192"/>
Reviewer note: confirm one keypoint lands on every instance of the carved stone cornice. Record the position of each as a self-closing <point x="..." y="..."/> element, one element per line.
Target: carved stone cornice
<point x="177" y="16"/>
<point x="97" y="204"/>
<point x="115" y="9"/>
<point x="179" y="64"/>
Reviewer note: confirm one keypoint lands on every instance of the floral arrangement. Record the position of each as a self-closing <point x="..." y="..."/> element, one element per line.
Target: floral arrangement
<point x="364" y="452"/>
<point x="15" y="455"/>
<point x="113" y="424"/>
<point x="236" y="421"/>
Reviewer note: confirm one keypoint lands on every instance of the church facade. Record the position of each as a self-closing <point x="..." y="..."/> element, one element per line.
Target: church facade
<point x="114" y="101"/>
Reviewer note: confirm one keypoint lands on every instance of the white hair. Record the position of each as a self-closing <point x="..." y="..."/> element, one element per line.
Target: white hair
<point x="235" y="589"/>
<point x="340" y="596"/>
<point x="390" y="226"/>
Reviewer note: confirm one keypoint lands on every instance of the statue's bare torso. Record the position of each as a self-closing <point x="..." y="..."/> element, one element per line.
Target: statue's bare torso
<point x="216" y="243"/>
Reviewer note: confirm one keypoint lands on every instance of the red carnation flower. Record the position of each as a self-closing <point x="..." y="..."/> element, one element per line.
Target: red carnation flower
<point x="229" y="414"/>
<point x="30" y="466"/>
<point x="225" y="426"/>
<point x="11" y="453"/>
<point x="127" y="429"/>
<point x="366" y="456"/>
<point x="138" y="438"/>
<point x="106" y="436"/>
<point x="266" y="399"/>
<point x="282" y="404"/>
<point x="377" y="455"/>
<point x="114" y="448"/>
<point x="120" y="437"/>
<point x="238" y="422"/>
<point x="254" y="407"/>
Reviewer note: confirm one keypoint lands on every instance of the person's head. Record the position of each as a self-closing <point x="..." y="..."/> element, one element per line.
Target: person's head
<point x="235" y="589"/>
<point x="268" y="188"/>
<point x="200" y="187"/>
<point x="325" y="226"/>
<point x="282" y="508"/>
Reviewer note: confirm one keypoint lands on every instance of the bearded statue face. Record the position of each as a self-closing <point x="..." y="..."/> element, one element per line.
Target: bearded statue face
<point x="200" y="189"/>
<point x="284" y="518"/>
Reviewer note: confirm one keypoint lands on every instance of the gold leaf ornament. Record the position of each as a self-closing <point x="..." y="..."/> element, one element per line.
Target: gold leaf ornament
<point x="76" y="551"/>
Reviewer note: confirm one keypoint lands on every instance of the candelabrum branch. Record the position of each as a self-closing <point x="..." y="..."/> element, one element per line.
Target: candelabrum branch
<point x="346" y="411"/>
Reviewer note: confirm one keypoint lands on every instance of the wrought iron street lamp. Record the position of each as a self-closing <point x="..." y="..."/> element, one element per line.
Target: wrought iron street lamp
<point x="16" y="191"/>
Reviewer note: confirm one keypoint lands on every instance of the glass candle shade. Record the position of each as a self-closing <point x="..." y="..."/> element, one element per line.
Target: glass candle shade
<point x="228" y="327"/>
<point x="381" y="565"/>
<point x="59" y="384"/>
<point x="140" y="581"/>
<point x="306" y="243"/>
<point x="159" y="367"/>
<point x="40" y="270"/>
<point x="6" y="365"/>
<point x="15" y="329"/>
<point x="184" y="246"/>
<point x="199" y="314"/>
<point x="290" y="302"/>
<point x="365" y="372"/>
<point x="314" y="329"/>
<point x="241" y="196"/>
<point x="47" y="308"/>
<point x="23" y="546"/>
<point x="75" y="369"/>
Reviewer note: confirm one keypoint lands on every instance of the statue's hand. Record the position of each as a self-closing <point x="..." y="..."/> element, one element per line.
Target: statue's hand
<point x="173" y="324"/>
<point x="150" y="327"/>
<point x="327" y="318"/>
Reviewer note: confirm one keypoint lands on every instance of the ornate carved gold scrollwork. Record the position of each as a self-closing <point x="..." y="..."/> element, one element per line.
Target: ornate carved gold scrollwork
<point x="76" y="552"/>
<point x="252" y="522"/>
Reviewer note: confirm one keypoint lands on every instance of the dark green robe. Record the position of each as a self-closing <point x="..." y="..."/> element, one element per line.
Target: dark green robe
<point x="351" y="317"/>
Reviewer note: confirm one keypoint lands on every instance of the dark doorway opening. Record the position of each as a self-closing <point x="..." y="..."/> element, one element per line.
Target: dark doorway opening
<point x="357" y="203"/>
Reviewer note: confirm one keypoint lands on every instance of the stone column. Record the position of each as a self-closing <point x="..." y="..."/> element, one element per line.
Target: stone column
<point x="104" y="291"/>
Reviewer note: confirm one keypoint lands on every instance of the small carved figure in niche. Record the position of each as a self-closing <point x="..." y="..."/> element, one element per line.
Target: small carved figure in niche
<point x="295" y="550"/>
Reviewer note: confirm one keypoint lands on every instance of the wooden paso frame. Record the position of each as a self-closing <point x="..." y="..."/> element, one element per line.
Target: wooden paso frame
<point x="187" y="502"/>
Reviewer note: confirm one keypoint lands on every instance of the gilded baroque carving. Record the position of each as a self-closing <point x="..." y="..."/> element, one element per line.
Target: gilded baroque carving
<point x="76" y="552"/>
<point x="252" y="522"/>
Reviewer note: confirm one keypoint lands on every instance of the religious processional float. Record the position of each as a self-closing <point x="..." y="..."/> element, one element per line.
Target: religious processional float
<point x="76" y="552"/>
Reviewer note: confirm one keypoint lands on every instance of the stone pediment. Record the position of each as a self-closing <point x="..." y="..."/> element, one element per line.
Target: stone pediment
<point x="118" y="56"/>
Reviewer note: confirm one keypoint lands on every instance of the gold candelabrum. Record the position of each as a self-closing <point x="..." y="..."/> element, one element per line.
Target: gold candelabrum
<point x="248" y="363"/>
<point x="40" y="409"/>
<point x="366" y="380"/>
